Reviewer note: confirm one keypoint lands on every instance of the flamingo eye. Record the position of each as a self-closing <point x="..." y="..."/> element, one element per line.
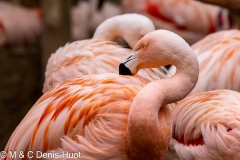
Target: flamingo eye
<point x="143" y="46"/>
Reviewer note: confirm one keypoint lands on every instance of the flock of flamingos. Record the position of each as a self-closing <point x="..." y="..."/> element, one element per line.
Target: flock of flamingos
<point x="108" y="101"/>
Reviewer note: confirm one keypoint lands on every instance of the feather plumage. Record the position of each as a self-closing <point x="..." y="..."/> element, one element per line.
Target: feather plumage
<point x="190" y="19"/>
<point x="76" y="107"/>
<point x="219" y="56"/>
<point x="98" y="55"/>
<point x="206" y="125"/>
<point x="108" y="116"/>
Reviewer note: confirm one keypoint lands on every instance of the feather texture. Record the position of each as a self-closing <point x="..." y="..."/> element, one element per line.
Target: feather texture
<point x="190" y="19"/>
<point x="206" y="125"/>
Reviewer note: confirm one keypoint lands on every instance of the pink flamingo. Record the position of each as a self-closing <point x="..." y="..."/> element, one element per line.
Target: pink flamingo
<point x="100" y="54"/>
<point x="206" y="125"/>
<point x="190" y="19"/>
<point x="110" y="116"/>
<point x="19" y="25"/>
<point x="219" y="56"/>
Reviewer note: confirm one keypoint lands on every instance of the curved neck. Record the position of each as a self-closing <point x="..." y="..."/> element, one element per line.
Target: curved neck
<point x="149" y="119"/>
<point x="109" y="30"/>
<point x="114" y="28"/>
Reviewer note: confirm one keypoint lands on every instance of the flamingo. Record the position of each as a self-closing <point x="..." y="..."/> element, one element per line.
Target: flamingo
<point x="190" y="19"/>
<point x="219" y="56"/>
<point x="19" y="25"/>
<point x="111" y="116"/>
<point x="100" y="54"/>
<point x="206" y="125"/>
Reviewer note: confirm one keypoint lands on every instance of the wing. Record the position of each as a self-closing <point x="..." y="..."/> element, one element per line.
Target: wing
<point x="83" y="58"/>
<point x="190" y="19"/>
<point x="89" y="57"/>
<point x="219" y="57"/>
<point x="206" y="125"/>
<point x="85" y="111"/>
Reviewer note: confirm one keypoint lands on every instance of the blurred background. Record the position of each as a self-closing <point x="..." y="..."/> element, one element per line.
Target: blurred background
<point x="31" y="30"/>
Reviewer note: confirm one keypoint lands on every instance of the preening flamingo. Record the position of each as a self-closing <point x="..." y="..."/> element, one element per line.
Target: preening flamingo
<point x="100" y="54"/>
<point x="18" y="25"/>
<point x="110" y="116"/>
<point x="206" y="126"/>
<point x="190" y="19"/>
<point x="219" y="56"/>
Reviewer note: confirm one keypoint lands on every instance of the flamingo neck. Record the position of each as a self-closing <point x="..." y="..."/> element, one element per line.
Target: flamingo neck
<point x="109" y="30"/>
<point x="149" y="129"/>
<point x="114" y="28"/>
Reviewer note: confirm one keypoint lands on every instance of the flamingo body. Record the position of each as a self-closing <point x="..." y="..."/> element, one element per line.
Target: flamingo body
<point x="206" y="125"/>
<point x="100" y="54"/>
<point x="89" y="57"/>
<point x="110" y="116"/>
<point x="190" y="19"/>
<point x="68" y="115"/>
<point x="219" y="56"/>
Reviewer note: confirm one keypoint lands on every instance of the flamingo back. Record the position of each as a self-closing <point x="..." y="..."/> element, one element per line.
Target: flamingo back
<point x="87" y="57"/>
<point x="190" y="19"/>
<point x="206" y="125"/>
<point x="80" y="115"/>
<point x="219" y="59"/>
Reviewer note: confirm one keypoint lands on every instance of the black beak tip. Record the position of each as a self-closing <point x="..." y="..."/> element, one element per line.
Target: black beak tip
<point x="123" y="70"/>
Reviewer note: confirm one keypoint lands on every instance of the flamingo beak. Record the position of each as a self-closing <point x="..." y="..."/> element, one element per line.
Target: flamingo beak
<point x="123" y="70"/>
<point x="129" y="65"/>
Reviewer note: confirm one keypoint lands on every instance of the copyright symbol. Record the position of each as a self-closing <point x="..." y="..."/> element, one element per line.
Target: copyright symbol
<point x="3" y="154"/>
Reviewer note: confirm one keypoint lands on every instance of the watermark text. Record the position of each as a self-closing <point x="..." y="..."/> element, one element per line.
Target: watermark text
<point x="40" y="154"/>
